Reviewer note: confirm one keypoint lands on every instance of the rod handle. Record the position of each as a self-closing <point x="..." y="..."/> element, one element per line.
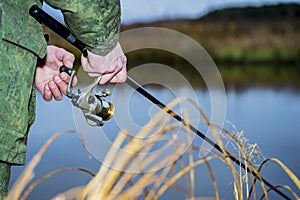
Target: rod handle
<point x="43" y="18"/>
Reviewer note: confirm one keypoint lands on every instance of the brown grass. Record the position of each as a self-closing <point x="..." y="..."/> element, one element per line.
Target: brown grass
<point x="111" y="183"/>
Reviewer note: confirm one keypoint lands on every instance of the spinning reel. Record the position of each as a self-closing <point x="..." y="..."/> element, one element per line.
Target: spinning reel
<point x="93" y="104"/>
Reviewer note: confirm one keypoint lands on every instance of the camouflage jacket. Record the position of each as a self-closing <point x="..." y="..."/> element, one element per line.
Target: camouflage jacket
<point x="96" y="23"/>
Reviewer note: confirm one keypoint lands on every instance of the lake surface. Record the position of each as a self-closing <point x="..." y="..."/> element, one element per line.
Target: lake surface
<point x="269" y="117"/>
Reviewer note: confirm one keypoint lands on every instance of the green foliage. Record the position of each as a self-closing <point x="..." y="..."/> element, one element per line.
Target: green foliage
<point x="265" y="12"/>
<point x="248" y="35"/>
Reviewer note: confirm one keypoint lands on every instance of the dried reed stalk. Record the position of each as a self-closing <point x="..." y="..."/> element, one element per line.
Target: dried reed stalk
<point x="28" y="173"/>
<point x="116" y="179"/>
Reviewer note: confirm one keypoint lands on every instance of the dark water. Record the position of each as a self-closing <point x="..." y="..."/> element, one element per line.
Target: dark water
<point x="270" y="118"/>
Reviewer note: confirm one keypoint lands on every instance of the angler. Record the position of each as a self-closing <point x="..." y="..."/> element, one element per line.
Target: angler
<point x="27" y="61"/>
<point x="40" y="15"/>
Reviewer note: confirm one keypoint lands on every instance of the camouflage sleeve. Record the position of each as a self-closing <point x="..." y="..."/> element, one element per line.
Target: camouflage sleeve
<point x="95" y="22"/>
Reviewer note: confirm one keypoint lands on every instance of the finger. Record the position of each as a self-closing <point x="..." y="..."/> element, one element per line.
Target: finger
<point x="75" y="81"/>
<point x="55" y="91"/>
<point x="65" y="57"/>
<point x="112" y="71"/>
<point x="111" y="68"/>
<point x="66" y="78"/>
<point x="93" y="75"/>
<point x="61" y="84"/>
<point x="106" y="78"/>
<point x="84" y="62"/>
<point x="120" y="77"/>
<point x="124" y="60"/>
<point x="68" y="60"/>
<point x="47" y="93"/>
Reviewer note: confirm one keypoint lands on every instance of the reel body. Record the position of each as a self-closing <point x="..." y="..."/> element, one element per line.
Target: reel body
<point x="93" y="104"/>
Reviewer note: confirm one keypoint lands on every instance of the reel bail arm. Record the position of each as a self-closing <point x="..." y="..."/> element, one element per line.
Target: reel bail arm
<point x="93" y="105"/>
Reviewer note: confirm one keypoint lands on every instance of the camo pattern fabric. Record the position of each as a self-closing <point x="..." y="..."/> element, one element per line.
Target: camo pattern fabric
<point x="19" y="28"/>
<point x="96" y="23"/>
<point x="17" y="101"/>
<point x="17" y="106"/>
<point x="4" y="179"/>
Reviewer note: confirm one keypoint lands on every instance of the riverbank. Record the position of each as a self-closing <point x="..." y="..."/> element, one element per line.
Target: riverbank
<point x="252" y="46"/>
<point x="251" y="35"/>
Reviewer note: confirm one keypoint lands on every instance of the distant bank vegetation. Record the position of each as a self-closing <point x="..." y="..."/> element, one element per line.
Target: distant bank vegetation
<point x="246" y="37"/>
<point x="252" y="46"/>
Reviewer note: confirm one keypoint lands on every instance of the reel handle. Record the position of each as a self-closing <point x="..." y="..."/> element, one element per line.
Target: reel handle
<point x="71" y="73"/>
<point x="66" y="70"/>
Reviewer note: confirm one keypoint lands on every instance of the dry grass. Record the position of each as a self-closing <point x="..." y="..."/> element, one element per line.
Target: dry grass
<point x="122" y="183"/>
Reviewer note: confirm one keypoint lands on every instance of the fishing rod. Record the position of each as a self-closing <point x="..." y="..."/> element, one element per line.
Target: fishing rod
<point x="86" y="100"/>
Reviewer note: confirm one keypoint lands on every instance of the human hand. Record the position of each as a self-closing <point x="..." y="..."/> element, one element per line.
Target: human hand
<point x="112" y="67"/>
<point x="48" y="80"/>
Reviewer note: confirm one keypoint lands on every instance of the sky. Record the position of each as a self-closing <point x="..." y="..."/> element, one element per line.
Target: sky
<point x="149" y="10"/>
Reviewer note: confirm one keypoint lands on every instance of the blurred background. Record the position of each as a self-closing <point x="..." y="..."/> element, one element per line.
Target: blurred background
<point x="240" y="36"/>
<point x="256" y="47"/>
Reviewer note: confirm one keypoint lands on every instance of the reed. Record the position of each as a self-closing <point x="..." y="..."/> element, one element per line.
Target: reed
<point x="123" y="183"/>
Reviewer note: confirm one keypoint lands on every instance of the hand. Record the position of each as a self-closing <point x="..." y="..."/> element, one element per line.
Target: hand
<point x="112" y="67"/>
<point x="48" y="80"/>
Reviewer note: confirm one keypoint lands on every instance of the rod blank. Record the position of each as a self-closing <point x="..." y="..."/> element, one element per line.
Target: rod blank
<point x="61" y="30"/>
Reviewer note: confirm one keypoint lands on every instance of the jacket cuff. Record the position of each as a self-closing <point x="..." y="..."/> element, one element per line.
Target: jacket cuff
<point x="104" y="47"/>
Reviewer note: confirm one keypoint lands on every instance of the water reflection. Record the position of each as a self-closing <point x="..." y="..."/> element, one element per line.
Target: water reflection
<point x="269" y="117"/>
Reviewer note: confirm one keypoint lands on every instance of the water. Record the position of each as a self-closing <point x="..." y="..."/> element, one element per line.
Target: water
<point x="269" y="117"/>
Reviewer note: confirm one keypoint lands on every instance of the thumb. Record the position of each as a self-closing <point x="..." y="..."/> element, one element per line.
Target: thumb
<point x="68" y="60"/>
